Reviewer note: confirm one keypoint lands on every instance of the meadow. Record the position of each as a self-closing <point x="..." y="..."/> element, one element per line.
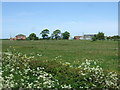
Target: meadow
<point x="72" y="51"/>
<point x="58" y="56"/>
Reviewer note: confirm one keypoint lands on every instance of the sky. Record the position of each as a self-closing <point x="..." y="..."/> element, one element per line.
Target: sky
<point x="78" y="18"/>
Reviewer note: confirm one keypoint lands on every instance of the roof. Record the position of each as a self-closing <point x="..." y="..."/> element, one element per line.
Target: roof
<point x="89" y="34"/>
<point x="77" y="36"/>
<point x="20" y="35"/>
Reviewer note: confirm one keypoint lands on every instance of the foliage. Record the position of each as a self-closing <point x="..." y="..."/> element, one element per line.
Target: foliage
<point x="45" y="33"/>
<point x="115" y="38"/>
<point x="32" y="36"/>
<point x="100" y="36"/>
<point x="22" y="71"/>
<point x="56" y="34"/>
<point x="66" y="35"/>
<point x="18" y="74"/>
<point x="94" y="76"/>
<point x="94" y="38"/>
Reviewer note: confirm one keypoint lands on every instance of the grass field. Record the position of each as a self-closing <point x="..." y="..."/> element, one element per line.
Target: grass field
<point x="60" y="64"/>
<point x="72" y="51"/>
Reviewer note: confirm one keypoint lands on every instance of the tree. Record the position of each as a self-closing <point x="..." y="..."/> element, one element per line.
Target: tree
<point x="109" y="38"/>
<point x="32" y="36"/>
<point x="45" y="33"/>
<point x="65" y="35"/>
<point x="100" y="36"/>
<point x="57" y="34"/>
<point x="94" y="38"/>
<point x="115" y="37"/>
<point x="36" y="38"/>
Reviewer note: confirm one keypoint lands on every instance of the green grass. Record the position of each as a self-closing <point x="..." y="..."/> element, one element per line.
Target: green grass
<point x="73" y="51"/>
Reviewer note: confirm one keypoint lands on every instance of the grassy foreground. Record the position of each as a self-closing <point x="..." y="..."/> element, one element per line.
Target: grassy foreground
<point x="60" y="64"/>
<point x="72" y="51"/>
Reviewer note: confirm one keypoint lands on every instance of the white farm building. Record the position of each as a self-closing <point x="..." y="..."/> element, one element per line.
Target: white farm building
<point x="88" y="36"/>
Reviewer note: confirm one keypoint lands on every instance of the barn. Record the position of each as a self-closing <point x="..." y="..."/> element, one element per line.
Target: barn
<point x="19" y="37"/>
<point x="88" y="36"/>
<point x="77" y="37"/>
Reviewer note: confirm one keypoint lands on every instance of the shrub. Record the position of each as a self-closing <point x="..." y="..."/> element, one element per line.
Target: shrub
<point x="16" y="72"/>
<point x="94" y="76"/>
<point x="19" y="71"/>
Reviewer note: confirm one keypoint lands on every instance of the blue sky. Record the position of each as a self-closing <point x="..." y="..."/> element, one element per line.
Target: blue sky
<point x="75" y="17"/>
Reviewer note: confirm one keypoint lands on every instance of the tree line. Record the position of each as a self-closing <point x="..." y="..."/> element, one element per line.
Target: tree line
<point x="57" y="35"/>
<point x="101" y="36"/>
<point x="115" y="38"/>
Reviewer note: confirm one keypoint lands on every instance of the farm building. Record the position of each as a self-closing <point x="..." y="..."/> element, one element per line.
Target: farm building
<point x="88" y="36"/>
<point x="77" y="37"/>
<point x="19" y="37"/>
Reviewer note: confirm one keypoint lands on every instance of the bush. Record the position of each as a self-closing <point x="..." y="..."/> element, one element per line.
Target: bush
<point x="19" y="71"/>
<point x="94" y="39"/>
<point x="94" y="76"/>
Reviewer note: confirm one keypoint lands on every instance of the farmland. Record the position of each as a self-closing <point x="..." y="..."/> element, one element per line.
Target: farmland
<point x="72" y="51"/>
<point x="51" y="53"/>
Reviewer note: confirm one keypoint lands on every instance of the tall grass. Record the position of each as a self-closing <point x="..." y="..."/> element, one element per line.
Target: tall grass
<point x="72" y="51"/>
